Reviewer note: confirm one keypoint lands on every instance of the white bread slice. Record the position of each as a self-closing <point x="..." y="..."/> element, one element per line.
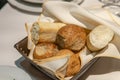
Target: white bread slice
<point x="99" y="37"/>
<point x="45" y="31"/>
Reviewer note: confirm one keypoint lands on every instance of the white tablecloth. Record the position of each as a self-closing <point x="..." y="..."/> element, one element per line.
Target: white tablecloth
<point x="12" y="30"/>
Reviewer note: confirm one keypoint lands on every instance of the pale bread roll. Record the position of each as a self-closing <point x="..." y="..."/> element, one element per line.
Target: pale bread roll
<point x="45" y="31"/>
<point x="99" y="37"/>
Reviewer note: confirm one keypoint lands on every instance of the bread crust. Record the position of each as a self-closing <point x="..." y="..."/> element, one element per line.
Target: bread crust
<point x="45" y="31"/>
<point x="74" y="65"/>
<point x="45" y="50"/>
<point x="71" y="37"/>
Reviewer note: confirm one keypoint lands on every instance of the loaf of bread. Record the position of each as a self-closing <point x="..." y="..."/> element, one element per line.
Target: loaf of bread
<point x="99" y="37"/>
<point x="45" y="50"/>
<point x="71" y="37"/>
<point x="45" y="31"/>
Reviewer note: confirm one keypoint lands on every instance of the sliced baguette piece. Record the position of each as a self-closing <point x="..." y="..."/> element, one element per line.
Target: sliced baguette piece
<point x="99" y="37"/>
<point x="45" y="31"/>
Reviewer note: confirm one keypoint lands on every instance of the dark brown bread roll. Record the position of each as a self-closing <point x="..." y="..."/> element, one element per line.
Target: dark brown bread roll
<point x="71" y="37"/>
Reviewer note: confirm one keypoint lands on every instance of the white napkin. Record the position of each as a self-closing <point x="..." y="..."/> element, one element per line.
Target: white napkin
<point x="106" y="14"/>
<point x="68" y="12"/>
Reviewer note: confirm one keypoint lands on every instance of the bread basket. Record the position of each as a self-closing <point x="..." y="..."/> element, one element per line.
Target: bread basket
<point x="21" y="47"/>
<point x="88" y="19"/>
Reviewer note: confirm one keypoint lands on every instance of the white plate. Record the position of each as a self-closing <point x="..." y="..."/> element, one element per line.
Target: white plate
<point x="34" y="1"/>
<point x="13" y="73"/>
<point x="26" y="6"/>
<point x="37" y="1"/>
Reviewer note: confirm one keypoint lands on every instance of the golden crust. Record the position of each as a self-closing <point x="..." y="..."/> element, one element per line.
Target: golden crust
<point x="74" y="65"/>
<point x="71" y="37"/>
<point x="45" y="50"/>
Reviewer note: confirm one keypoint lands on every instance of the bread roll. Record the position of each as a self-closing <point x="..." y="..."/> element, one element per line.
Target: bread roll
<point x="74" y="65"/>
<point x="71" y="37"/>
<point x="45" y="50"/>
<point x="45" y="31"/>
<point x="59" y="55"/>
<point x="99" y="37"/>
<point x="64" y="52"/>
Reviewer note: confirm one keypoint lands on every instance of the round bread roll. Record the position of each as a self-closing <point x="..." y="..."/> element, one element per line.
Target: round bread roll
<point x="45" y="50"/>
<point x="71" y="37"/>
<point x="99" y="37"/>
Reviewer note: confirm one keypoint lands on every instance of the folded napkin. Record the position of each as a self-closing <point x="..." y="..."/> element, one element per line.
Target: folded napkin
<point x="74" y="14"/>
<point x="106" y="14"/>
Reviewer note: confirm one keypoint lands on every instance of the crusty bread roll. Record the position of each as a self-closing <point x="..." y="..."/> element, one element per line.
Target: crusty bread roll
<point x="74" y="65"/>
<point x="45" y="50"/>
<point x="71" y="67"/>
<point x="45" y="31"/>
<point x="64" y="52"/>
<point x="71" y="37"/>
<point x="99" y="37"/>
<point x="59" y="55"/>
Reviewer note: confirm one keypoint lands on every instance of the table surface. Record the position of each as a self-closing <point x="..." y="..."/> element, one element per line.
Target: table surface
<point x="12" y="30"/>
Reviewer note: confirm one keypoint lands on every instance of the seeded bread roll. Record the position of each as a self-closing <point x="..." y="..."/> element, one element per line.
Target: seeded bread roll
<point x="45" y="31"/>
<point x="45" y="50"/>
<point x="71" y="37"/>
<point x="99" y="37"/>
